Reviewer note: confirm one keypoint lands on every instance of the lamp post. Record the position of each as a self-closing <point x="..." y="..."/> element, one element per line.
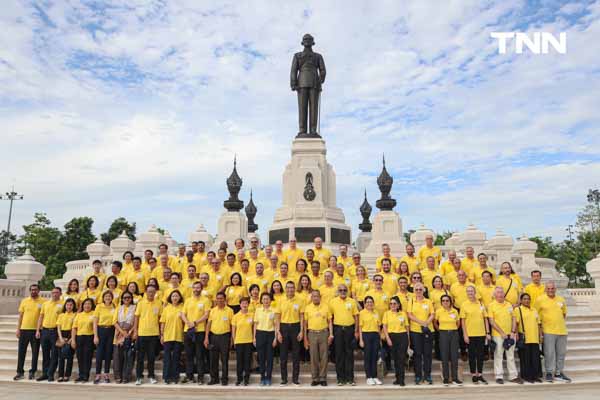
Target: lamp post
<point x="593" y="197"/>
<point x="10" y="196"/>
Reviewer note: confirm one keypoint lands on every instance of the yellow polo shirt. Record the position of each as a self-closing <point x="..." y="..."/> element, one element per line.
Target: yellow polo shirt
<point x="393" y="259"/>
<point x="473" y="313"/>
<point x="317" y="317"/>
<point x="502" y="315"/>
<point x="475" y="275"/>
<point x="435" y="295"/>
<point x="390" y="283"/>
<point x="487" y="293"/>
<point x="84" y="323"/>
<point x="265" y="319"/>
<point x="322" y="255"/>
<point x="65" y="321"/>
<point x="428" y="276"/>
<point x="426" y="252"/>
<point x="530" y="322"/>
<point x="369" y="321"/>
<point x="343" y="311"/>
<point x="244" y="328"/>
<point x="468" y="264"/>
<point x="396" y="322"/>
<point x="381" y="298"/>
<point x="173" y="324"/>
<point x="140" y="277"/>
<point x="30" y="309"/>
<point x="447" y="319"/>
<point x="194" y="308"/>
<point x="327" y="293"/>
<point x="511" y="291"/>
<point x="104" y="315"/>
<point x="534" y="291"/>
<point x="234" y="294"/>
<point x="292" y="256"/>
<point x="291" y="309"/>
<point x="50" y="311"/>
<point x="459" y="293"/>
<point x="148" y="313"/>
<point x="360" y="288"/>
<point x="220" y="320"/>
<point x="421" y="310"/>
<point x="413" y="263"/>
<point x="552" y="314"/>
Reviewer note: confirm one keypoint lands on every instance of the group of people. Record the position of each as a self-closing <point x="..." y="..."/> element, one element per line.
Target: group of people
<point x="198" y="306"/>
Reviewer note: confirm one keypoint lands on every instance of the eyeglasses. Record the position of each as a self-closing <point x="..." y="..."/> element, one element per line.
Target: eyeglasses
<point x="416" y="278"/>
<point x="418" y="290"/>
<point x="378" y="280"/>
<point x="342" y="290"/>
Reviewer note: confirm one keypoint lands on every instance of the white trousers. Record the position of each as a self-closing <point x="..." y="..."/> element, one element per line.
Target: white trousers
<point x="510" y="360"/>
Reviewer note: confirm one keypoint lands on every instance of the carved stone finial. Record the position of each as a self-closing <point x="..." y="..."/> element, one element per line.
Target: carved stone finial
<point x="365" y="211"/>
<point x="234" y="185"/>
<point x="251" y="213"/>
<point x="385" y="182"/>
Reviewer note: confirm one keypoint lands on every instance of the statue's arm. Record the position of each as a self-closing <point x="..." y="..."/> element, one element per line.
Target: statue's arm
<point x="294" y="73"/>
<point x="322" y="71"/>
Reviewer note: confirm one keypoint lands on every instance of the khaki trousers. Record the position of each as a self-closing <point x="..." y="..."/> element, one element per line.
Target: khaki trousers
<point x="319" y="350"/>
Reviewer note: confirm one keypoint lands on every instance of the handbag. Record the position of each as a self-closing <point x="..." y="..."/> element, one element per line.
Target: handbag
<point x="521" y="341"/>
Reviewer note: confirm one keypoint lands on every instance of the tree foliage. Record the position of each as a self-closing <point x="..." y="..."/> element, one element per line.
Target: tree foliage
<point x="116" y="228"/>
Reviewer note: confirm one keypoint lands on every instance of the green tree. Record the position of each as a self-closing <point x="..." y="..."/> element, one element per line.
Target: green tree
<point x="161" y="230"/>
<point x="440" y="240"/>
<point x="546" y="247"/>
<point x="119" y="225"/>
<point x="6" y="242"/>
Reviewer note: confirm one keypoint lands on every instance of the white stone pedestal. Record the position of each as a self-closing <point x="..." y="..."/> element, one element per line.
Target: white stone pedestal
<point x="362" y="241"/>
<point x="387" y="228"/>
<point x="309" y="199"/>
<point x="232" y="225"/>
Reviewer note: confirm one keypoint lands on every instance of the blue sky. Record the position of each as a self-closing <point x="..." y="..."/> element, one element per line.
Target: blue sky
<point x="136" y="109"/>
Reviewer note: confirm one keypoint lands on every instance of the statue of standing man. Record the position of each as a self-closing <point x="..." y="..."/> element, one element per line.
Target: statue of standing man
<point x="306" y="78"/>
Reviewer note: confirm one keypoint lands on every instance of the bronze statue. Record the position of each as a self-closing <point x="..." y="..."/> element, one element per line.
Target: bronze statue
<point x="306" y="78"/>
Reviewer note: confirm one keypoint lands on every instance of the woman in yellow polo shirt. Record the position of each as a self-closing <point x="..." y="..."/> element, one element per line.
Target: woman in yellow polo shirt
<point x="360" y="286"/>
<point x="134" y="290"/>
<point x="266" y="330"/>
<point x="370" y="340"/>
<point x="112" y="286"/>
<point x="235" y="292"/>
<point x="276" y="293"/>
<point x="476" y="332"/>
<point x="254" y="292"/>
<point x="420" y="312"/>
<point x="93" y="290"/>
<point x="446" y="322"/>
<point x="242" y="326"/>
<point x="304" y="288"/>
<point x="83" y="332"/>
<point x="104" y="333"/>
<point x="72" y="292"/>
<point x="64" y="325"/>
<point x="529" y="333"/>
<point x="403" y="270"/>
<point x="301" y="267"/>
<point x="171" y="336"/>
<point x="435" y="295"/>
<point x="395" y="329"/>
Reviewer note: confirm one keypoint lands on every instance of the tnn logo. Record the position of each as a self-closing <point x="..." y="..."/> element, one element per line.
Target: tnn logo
<point x="539" y="44"/>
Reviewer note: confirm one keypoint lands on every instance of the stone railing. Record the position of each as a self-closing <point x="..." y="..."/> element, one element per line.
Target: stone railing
<point x="46" y="294"/>
<point x="582" y="296"/>
<point x="11" y="293"/>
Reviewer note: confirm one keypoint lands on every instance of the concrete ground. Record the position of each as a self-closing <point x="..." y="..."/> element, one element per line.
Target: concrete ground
<point x="25" y="390"/>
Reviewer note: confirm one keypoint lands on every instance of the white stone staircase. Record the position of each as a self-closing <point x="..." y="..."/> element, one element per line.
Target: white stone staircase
<point x="582" y="364"/>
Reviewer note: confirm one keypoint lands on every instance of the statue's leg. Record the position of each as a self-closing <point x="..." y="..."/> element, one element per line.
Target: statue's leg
<point x="302" y="109"/>
<point x="314" y="110"/>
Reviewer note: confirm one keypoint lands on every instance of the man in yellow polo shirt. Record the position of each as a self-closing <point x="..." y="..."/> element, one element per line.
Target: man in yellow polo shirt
<point x="196" y="309"/>
<point x="292" y="317"/>
<point x="318" y="336"/>
<point x="410" y="259"/>
<point x="390" y="279"/>
<point x="46" y="332"/>
<point x="448" y="265"/>
<point x="322" y="254"/>
<point x="536" y="288"/>
<point x="344" y="258"/>
<point x="344" y="310"/>
<point x="147" y="332"/>
<point x="504" y="327"/>
<point x="387" y="254"/>
<point x="293" y="253"/>
<point x="469" y="262"/>
<point x="429" y="250"/>
<point x="476" y="271"/>
<point x="29" y="313"/>
<point x="218" y="336"/>
<point x="553" y="313"/>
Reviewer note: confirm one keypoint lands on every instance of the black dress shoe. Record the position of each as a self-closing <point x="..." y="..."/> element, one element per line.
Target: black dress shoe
<point x="42" y="378"/>
<point x="210" y="383"/>
<point x="323" y="383"/>
<point x="31" y="375"/>
<point x="18" y="377"/>
<point x="314" y="383"/>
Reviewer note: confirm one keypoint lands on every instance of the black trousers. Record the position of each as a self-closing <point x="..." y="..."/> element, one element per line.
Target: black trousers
<point x="264" y="352"/>
<point x="104" y="351"/>
<point x="146" y="348"/>
<point x="422" y="346"/>
<point x="85" y="348"/>
<point x="26" y="338"/>
<point x="344" y="343"/>
<point x="290" y="332"/>
<point x="529" y="358"/>
<point x="398" y="350"/>
<point x="476" y="353"/>
<point x="243" y="358"/>
<point x="195" y="355"/>
<point x="449" y="353"/>
<point x="461" y="340"/>
<point x="49" y="350"/>
<point x="171" y="357"/>
<point x="64" y="355"/>
<point x="219" y="351"/>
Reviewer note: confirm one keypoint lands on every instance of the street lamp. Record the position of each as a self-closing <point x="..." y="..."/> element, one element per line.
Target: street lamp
<point x="10" y="196"/>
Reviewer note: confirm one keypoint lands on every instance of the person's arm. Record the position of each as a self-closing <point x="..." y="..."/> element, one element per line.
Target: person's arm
<point x="515" y="332"/>
<point x="59" y="333"/>
<point x="356" y="328"/>
<point x="488" y="335"/>
<point x="412" y="317"/>
<point x="203" y="318"/>
<point x="431" y="316"/>
<point x="206" y="332"/>
<point x="300" y="334"/>
<point x="277" y="326"/>
<point x="74" y="337"/>
<point x="494" y="325"/>
<point x="330" y="323"/>
<point x="464" y="329"/>
<point x="38" y="327"/>
<point x="361" y="342"/>
<point x="436" y="324"/>
<point x="386" y="335"/>
<point x="233" y="332"/>
<point x="19" y="322"/>
<point x="254" y="332"/>
<point x="136" y="323"/>
<point x="96" y="338"/>
<point x="162" y="332"/>
<point x="305" y="331"/>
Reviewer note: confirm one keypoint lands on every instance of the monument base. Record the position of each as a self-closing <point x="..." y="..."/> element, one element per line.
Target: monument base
<point x="387" y="228"/>
<point x="232" y="225"/>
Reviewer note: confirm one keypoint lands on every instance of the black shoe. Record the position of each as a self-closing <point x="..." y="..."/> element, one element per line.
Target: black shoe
<point x="475" y="380"/>
<point x="283" y="382"/>
<point x="50" y="379"/>
<point x="42" y="378"/>
<point x="296" y="382"/>
<point x="457" y="382"/>
<point x="245" y="383"/>
<point x="500" y="381"/>
<point x="211" y="383"/>
<point x="238" y="383"/>
<point x="314" y="383"/>
<point x="19" y="377"/>
<point x="224" y="383"/>
<point x="482" y="380"/>
<point x="446" y="382"/>
<point x="186" y="379"/>
<point x="396" y="382"/>
<point x="323" y="383"/>
<point x="31" y="376"/>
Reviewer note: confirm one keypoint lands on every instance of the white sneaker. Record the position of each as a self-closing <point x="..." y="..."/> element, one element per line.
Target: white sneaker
<point x="153" y="381"/>
<point x="370" y="381"/>
<point x="138" y="382"/>
<point x="377" y="381"/>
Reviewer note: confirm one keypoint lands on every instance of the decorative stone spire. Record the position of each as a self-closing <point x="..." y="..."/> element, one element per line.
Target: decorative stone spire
<point x="365" y="211"/>
<point x="234" y="185"/>
<point x="251" y="213"/>
<point x="385" y="182"/>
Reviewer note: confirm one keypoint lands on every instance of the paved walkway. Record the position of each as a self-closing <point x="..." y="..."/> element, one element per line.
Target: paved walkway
<point x="24" y="390"/>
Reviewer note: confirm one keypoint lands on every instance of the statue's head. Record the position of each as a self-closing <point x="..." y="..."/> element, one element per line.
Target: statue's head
<point x="308" y="40"/>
